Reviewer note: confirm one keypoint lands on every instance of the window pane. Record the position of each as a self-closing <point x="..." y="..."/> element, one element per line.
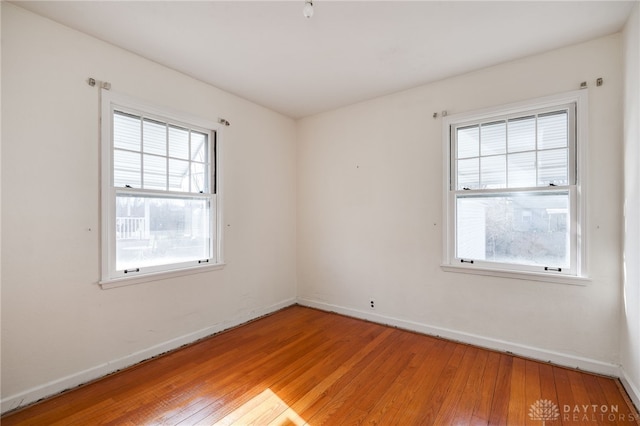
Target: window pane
<point x="178" y="142"/>
<point x="155" y="172"/>
<point x="154" y="231"/>
<point x="126" y="169"/>
<point x="522" y="134"/>
<point x="493" y="138"/>
<point x="552" y="130"/>
<point x="178" y="175"/>
<point x="493" y="172"/>
<point x="199" y="181"/>
<point x="126" y="131"/>
<point x="468" y="174"/>
<point x="527" y="229"/>
<point x="553" y="167"/>
<point x="155" y="137"/>
<point x="468" y="141"/>
<point x="522" y="170"/>
<point x="199" y="147"/>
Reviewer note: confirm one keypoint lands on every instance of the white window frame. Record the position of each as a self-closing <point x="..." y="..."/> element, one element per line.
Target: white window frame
<point x="110" y="277"/>
<point x="578" y="272"/>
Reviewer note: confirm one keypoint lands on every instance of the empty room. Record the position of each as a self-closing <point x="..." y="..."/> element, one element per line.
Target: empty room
<point x="320" y="212"/>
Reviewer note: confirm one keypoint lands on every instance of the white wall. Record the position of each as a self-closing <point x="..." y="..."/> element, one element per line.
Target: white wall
<point x="370" y="214"/>
<point x="58" y="327"/>
<point x="364" y="182"/>
<point x="630" y="330"/>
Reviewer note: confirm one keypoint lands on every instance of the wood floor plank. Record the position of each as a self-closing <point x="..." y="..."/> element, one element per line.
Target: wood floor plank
<point x="301" y="366"/>
<point x="453" y="399"/>
<point x="564" y="392"/>
<point x="482" y="409"/>
<point x="257" y="377"/>
<point x="533" y="390"/>
<point x="426" y="392"/>
<point x="352" y="383"/>
<point x="618" y="402"/>
<point x="235" y="397"/>
<point x="548" y="388"/>
<point x="502" y="392"/>
<point x="547" y="382"/>
<point x="403" y="399"/>
<point x="581" y="397"/>
<point x="469" y="396"/>
<point x="385" y="371"/>
<point x="517" y="398"/>
<point x="339" y="353"/>
<point x="322" y="388"/>
<point x="441" y="387"/>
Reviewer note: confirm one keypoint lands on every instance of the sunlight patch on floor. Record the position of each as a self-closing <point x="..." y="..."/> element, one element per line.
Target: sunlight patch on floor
<point x="265" y="408"/>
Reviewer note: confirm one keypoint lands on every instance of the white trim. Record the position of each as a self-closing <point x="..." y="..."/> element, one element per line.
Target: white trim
<point x="518" y="275"/>
<point x="156" y="276"/>
<point x="632" y="390"/>
<point x="544" y="355"/>
<point x="516" y="107"/>
<point x="106" y="216"/>
<point x="582" y="161"/>
<point x="146" y="108"/>
<point x="76" y="379"/>
<point x="580" y="98"/>
<point x="219" y="181"/>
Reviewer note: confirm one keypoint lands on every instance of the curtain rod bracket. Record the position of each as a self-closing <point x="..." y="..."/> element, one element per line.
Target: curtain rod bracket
<point x="224" y="122"/>
<point x="103" y="84"/>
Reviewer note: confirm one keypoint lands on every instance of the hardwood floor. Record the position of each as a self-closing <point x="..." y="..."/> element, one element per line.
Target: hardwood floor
<point x="303" y="366"/>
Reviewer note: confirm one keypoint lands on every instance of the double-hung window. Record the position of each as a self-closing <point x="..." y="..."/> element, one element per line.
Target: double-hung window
<point x="514" y="195"/>
<point x="160" y="191"/>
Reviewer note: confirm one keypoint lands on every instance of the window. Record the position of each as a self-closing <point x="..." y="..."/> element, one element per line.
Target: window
<point x="514" y="198"/>
<point x="160" y="195"/>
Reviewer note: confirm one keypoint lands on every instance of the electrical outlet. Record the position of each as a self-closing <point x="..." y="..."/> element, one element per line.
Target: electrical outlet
<point x="372" y="303"/>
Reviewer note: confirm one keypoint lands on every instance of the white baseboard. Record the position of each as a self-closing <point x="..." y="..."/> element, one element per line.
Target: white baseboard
<point x="558" y="358"/>
<point x="631" y="388"/>
<point x="56" y="386"/>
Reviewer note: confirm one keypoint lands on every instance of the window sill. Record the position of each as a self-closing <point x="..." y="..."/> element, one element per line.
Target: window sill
<point x="529" y="276"/>
<point x="157" y="276"/>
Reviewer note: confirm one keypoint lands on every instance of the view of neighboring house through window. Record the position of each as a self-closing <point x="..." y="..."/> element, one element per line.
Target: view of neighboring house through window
<point x="160" y="211"/>
<point x="513" y="190"/>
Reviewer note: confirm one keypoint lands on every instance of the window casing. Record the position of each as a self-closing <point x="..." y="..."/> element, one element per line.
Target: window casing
<point x="161" y="204"/>
<point x="514" y="197"/>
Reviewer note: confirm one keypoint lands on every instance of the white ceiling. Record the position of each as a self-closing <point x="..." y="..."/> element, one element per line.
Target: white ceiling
<point x="267" y="52"/>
